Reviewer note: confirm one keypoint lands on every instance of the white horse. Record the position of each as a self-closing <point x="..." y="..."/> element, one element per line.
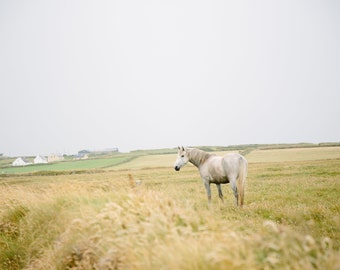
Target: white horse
<point x="231" y="168"/>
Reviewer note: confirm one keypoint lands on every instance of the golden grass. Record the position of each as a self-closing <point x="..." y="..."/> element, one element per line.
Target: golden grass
<point x="97" y="221"/>
<point x="294" y="154"/>
<point x="149" y="161"/>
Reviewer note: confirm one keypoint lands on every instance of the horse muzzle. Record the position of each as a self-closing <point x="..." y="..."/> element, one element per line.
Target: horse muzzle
<point x="177" y="168"/>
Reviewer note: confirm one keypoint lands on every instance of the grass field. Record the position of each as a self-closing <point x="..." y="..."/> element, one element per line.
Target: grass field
<point x="99" y="220"/>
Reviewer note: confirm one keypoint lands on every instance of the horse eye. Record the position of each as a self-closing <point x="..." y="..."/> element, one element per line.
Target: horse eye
<point x="182" y="156"/>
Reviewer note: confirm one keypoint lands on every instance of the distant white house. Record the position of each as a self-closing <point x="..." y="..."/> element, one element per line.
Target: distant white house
<point x="55" y="157"/>
<point x="40" y="160"/>
<point x="21" y="162"/>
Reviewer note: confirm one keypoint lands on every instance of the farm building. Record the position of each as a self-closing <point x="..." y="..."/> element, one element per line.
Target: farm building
<point x="40" y="160"/>
<point x="21" y="162"/>
<point x="55" y="157"/>
<point x="83" y="154"/>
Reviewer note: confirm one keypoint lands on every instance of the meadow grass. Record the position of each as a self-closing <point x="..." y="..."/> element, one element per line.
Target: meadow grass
<point x="294" y="154"/>
<point x="100" y="221"/>
<point x="148" y="161"/>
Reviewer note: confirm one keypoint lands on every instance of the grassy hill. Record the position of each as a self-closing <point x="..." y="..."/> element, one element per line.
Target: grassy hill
<point x="73" y="165"/>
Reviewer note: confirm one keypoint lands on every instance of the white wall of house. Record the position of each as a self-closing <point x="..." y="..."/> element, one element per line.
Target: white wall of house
<point x="40" y="160"/>
<point x="21" y="162"/>
<point x="55" y="157"/>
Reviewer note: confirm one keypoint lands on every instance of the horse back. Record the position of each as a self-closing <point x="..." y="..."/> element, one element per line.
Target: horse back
<point x="232" y="164"/>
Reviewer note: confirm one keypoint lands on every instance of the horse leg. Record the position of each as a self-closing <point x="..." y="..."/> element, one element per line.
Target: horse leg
<point x="207" y="187"/>
<point x="234" y="188"/>
<point x="220" y="194"/>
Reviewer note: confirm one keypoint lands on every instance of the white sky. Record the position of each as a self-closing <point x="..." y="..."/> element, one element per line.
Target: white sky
<point x="153" y="74"/>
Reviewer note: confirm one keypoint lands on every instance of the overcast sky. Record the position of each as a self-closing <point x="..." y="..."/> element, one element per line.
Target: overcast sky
<point x="154" y="74"/>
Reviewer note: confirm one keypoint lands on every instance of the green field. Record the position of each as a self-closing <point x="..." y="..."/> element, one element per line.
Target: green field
<point x="98" y="219"/>
<point x="73" y="165"/>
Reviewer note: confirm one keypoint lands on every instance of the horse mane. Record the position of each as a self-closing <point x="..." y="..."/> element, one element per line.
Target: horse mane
<point x="198" y="157"/>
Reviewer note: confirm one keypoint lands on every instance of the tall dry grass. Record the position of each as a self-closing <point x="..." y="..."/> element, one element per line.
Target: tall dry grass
<point x="98" y="221"/>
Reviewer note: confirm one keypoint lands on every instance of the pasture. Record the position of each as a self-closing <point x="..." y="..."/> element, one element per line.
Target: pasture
<point x="100" y="220"/>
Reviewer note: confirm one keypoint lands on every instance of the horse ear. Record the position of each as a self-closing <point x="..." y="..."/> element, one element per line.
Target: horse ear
<point x="183" y="148"/>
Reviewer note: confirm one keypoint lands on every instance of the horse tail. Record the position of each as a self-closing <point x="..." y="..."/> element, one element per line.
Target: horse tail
<point x="241" y="180"/>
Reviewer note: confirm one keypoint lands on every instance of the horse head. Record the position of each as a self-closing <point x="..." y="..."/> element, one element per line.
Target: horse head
<point x="182" y="158"/>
